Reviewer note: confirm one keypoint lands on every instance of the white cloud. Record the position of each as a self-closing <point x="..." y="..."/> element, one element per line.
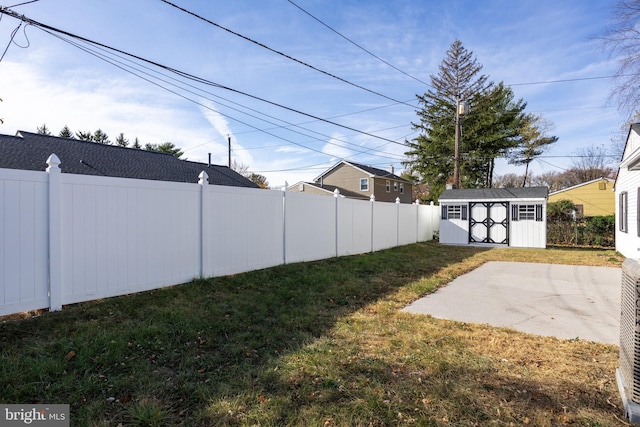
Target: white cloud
<point x="336" y="147"/>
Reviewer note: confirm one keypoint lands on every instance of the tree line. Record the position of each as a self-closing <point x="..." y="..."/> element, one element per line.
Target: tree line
<point x="102" y="138"/>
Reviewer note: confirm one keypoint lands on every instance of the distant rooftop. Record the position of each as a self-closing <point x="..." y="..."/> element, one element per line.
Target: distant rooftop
<point x="30" y="151"/>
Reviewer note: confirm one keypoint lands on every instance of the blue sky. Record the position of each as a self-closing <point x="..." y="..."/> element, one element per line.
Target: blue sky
<point x="46" y="80"/>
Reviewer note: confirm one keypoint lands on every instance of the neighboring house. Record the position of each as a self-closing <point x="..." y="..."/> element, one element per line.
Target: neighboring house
<point x="358" y="181"/>
<point x="30" y="151"/>
<point x="591" y="198"/>
<point x="494" y="217"/>
<point x="627" y="191"/>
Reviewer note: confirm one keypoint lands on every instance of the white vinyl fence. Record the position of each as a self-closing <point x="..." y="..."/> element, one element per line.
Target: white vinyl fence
<point x="68" y="238"/>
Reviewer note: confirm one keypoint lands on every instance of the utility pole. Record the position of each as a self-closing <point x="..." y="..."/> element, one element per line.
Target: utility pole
<point x="456" y="154"/>
<point x="229" y="139"/>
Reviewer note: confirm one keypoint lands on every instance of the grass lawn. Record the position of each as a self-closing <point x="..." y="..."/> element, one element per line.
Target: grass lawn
<point x="311" y="344"/>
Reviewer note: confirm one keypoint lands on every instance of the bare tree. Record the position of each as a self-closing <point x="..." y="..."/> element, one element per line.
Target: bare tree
<point x="508" y="180"/>
<point x="621" y="39"/>
<point x="592" y="163"/>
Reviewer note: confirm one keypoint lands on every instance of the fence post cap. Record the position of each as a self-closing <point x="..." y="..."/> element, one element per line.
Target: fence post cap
<point x="336" y="193"/>
<point x="203" y="178"/>
<point x="372" y="198"/>
<point x="397" y="199"/>
<point x="54" y="163"/>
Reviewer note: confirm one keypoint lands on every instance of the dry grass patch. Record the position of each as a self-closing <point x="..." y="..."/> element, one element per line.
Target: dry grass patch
<point x="321" y="343"/>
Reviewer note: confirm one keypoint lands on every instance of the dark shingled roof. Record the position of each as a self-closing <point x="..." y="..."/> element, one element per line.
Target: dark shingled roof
<point x="378" y="172"/>
<point x="30" y="151"/>
<point x="495" y="193"/>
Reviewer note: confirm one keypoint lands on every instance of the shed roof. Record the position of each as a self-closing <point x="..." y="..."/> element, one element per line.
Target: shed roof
<point x="495" y="193"/>
<point x="30" y="151"/>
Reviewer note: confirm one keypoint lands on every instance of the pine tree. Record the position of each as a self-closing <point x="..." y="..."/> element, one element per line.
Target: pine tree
<point x="66" y="132"/>
<point x="533" y="144"/>
<point x="136" y="144"/>
<point x="84" y="136"/>
<point x="43" y="130"/>
<point x="165" y="147"/>
<point x="121" y="140"/>
<point x="100" y="137"/>
<point x="488" y="127"/>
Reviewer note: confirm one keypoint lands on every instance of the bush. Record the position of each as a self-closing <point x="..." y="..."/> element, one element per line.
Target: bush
<point x="590" y="231"/>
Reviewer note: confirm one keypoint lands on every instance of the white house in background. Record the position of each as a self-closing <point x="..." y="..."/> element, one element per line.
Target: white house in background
<point x="627" y="189"/>
<point x="494" y="217"/>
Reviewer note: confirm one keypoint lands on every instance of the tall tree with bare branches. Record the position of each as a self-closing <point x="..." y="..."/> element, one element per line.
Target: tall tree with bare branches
<point x="621" y="39"/>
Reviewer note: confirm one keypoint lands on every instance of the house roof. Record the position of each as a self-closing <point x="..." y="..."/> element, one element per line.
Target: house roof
<point x="331" y="189"/>
<point x="631" y="158"/>
<point x="30" y="151"/>
<point x="369" y="170"/>
<point x="495" y="193"/>
<point x="581" y="185"/>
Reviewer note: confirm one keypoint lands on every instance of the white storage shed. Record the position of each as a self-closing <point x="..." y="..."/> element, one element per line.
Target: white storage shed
<point x="494" y="217"/>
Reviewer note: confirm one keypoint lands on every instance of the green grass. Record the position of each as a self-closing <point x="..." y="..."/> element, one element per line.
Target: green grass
<point x="320" y="343"/>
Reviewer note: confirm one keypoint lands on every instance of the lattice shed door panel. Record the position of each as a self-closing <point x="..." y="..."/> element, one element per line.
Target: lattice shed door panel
<point x="489" y="222"/>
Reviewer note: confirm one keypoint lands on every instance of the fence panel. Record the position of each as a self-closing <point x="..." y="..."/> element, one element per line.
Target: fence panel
<point x="123" y="235"/>
<point x="428" y="222"/>
<point x="23" y="241"/>
<point x="354" y="226"/>
<point x="71" y="238"/>
<point x="243" y="230"/>
<point x="310" y="227"/>
<point x="407" y="224"/>
<point x="385" y="228"/>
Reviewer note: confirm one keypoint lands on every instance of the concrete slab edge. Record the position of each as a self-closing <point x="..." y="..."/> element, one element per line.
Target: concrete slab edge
<point x="631" y="408"/>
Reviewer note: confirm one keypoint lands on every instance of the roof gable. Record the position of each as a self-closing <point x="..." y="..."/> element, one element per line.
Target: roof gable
<point x="367" y="170"/>
<point x="581" y="185"/>
<point x="30" y="151"/>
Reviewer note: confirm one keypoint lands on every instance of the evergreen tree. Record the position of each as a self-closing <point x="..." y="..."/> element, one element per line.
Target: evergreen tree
<point x="488" y="127"/>
<point x="534" y="142"/>
<point x="166" y="147"/>
<point x="489" y="130"/>
<point x="43" y="130"/>
<point x="66" y="132"/>
<point x="84" y="136"/>
<point x="121" y="140"/>
<point x="261" y="180"/>
<point x="100" y="137"/>
<point x="136" y="144"/>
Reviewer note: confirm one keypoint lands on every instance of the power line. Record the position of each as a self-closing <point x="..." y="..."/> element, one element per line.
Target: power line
<point x="196" y="102"/>
<point x="358" y="46"/>
<point x="568" y="80"/>
<point x="189" y="76"/>
<point x="22" y="4"/>
<point x="256" y="129"/>
<point x="281" y="53"/>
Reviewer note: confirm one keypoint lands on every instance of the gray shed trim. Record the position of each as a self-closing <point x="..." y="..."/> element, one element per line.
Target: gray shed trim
<point x="495" y="193"/>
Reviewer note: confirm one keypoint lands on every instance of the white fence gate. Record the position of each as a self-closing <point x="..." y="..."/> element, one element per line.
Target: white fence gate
<point x="69" y="238"/>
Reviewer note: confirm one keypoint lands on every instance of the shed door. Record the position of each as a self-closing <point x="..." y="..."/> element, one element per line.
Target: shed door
<point x="489" y="222"/>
